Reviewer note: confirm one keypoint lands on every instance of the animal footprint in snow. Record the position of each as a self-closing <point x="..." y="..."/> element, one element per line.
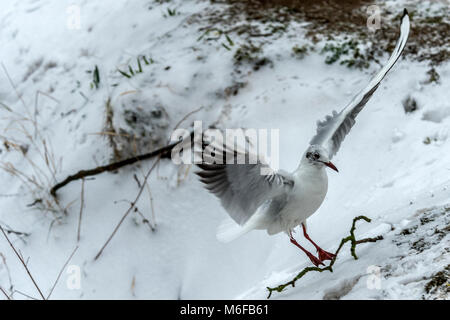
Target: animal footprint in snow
<point x="436" y="115"/>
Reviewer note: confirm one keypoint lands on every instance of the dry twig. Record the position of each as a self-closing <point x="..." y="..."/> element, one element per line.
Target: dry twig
<point x="17" y="233"/>
<point x="132" y="206"/>
<point x="6" y="295"/>
<point x="23" y="294"/>
<point x="162" y="152"/>
<point x="23" y="262"/>
<point x="61" y="271"/>
<point x="81" y="211"/>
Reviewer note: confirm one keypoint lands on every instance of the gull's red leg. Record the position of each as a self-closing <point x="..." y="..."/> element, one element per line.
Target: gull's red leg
<point x="311" y="257"/>
<point x="323" y="255"/>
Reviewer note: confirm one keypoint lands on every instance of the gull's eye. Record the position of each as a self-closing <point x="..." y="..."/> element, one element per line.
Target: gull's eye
<point x="316" y="156"/>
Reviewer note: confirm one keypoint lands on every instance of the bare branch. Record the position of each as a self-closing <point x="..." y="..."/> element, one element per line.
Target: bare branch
<point x="162" y="152"/>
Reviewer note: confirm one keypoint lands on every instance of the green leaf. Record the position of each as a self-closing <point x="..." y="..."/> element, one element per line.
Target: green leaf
<point x="124" y="73"/>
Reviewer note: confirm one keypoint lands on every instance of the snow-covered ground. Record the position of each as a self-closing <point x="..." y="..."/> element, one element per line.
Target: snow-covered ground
<point x="394" y="166"/>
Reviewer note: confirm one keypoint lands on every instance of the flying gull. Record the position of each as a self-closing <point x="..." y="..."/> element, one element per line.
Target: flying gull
<point x="281" y="201"/>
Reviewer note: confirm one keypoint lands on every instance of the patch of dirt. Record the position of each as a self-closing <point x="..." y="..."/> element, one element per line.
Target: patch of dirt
<point x="429" y="223"/>
<point x="439" y="285"/>
<point x="424" y="251"/>
<point x="331" y="20"/>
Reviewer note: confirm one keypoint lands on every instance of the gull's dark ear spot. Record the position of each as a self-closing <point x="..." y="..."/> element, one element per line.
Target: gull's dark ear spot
<point x="308" y="155"/>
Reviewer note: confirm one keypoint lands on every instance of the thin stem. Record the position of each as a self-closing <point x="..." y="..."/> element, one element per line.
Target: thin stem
<point x="23" y="262"/>
<point x="81" y="211"/>
<point x="132" y="206"/>
<point x="61" y="271"/>
<point x="4" y="292"/>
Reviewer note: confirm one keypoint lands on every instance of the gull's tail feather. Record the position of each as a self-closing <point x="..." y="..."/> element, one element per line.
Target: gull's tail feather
<point x="230" y="230"/>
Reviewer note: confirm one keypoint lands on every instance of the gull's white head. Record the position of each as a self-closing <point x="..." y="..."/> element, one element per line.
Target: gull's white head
<point x="317" y="156"/>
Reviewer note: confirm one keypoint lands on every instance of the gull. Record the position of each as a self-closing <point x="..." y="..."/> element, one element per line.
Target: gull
<point x="281" y="201"/>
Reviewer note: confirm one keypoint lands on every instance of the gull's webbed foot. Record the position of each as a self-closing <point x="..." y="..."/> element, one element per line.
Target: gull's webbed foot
<point x="325" y="255"/>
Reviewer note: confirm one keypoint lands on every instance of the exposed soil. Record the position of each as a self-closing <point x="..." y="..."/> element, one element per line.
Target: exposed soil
<point x="439" y="283"/>
<point x="327" y="19"/>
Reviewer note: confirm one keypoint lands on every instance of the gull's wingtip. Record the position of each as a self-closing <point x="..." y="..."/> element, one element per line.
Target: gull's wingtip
<point x="405" y="13"/>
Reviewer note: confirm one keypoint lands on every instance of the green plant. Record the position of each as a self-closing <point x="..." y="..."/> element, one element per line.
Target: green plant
<point x="429" y="140"/>
<point x="250" y="54"/>
<point x="433" y="76"/>
<point x="300" y="52"/>
<point x="247" y="53"/>
<point x="347" y="52"/>
<point x="132" y="72"/>
<point x="230" y="43"/>
<point x="95" y="78"/>
<point x="217" y="35"/>
<point x="172" y="12"/>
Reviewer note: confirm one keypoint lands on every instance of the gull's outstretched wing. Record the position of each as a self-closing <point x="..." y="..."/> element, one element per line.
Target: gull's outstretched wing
<point x="242" y="188"/>
<point x="332" y="131"/>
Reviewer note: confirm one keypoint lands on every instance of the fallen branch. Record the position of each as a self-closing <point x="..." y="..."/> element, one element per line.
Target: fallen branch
<point x="350" y="238"/>
<point x="163" y="152"/>
<point x="23" y="262"/>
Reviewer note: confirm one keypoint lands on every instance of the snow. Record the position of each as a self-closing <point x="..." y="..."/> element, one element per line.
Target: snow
<point x="387" y="172"/>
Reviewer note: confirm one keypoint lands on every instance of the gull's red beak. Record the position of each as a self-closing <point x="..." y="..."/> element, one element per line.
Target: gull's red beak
<point x="331" y="165"/>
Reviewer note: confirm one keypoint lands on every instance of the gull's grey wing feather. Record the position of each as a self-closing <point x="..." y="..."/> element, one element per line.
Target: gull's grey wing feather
<point x="332" y="131"/>
<point x="241" y="188"/>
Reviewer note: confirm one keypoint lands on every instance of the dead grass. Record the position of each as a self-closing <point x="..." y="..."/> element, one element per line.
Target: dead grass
<point x="21" y="137"/>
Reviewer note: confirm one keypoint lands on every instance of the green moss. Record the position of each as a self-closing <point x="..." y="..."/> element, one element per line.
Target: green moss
<point x="247" y="53"/>
<point x="300" y="52"/>
<point x="433" y="76"/>
<point x="347" y="52"/>
<point x="251" y="55"/>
